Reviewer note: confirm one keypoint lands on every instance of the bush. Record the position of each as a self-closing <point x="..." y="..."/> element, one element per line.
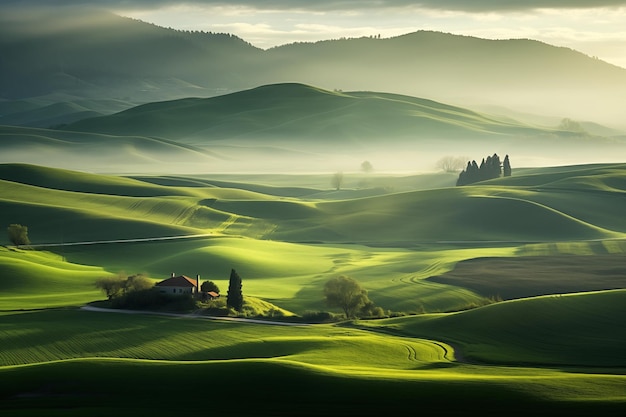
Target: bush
<point x="153" y="300"/>
<point x="321" y="317"/>
<point x="18" y="234"/>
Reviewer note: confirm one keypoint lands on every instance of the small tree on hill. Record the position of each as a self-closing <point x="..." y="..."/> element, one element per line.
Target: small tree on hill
<point x="234" y="298"/>
<point x="18" y="234"/>
<point x="337" y="180"/>
<point x="346" y="293"/>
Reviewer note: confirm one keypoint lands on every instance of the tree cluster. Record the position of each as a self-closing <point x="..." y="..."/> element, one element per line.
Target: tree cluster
<point x="489" y="168"/>
<point x="119" y="286"/>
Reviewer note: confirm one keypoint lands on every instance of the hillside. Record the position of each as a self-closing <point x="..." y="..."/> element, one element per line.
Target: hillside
<point x="301" y="113"/>
<point x="588" y="205"/>
<point x="120" y="58"/>
<point x="556" y="330"/>
<point x="286" y="240"/>
<point x="299" y="127"/>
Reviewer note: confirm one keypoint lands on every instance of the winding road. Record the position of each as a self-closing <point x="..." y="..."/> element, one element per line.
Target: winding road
<point x="192" y="316"/>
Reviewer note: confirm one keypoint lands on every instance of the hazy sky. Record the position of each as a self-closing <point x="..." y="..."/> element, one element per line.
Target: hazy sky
<point x="595" y="27"/>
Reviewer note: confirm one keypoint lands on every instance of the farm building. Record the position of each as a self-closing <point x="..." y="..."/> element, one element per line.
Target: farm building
<point x="180" y="284"/>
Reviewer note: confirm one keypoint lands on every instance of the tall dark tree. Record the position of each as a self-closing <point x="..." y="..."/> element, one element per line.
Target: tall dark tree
<point x="506" y="167"/>
<point x="234" y="298"/>
<point x="496" y="166"/>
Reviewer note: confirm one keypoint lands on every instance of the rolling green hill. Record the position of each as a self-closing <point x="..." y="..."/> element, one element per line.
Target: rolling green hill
<point x="300" y="113"/>
<point x="286" y="247"/>
<point x="584" y="329"/>
<point x="293" y="127"/>
<point x="586" y="205"/>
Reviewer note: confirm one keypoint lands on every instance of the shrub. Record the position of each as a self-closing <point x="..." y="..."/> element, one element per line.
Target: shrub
<point x="18" y="234"/>
<point x="320" y="317"/>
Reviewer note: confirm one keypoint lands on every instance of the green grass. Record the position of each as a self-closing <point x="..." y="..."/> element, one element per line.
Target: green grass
<point x="560" y="354"/>
<point x="32" y="279"/>
<point x="390" y="243"/>
<point x="43" y="336"/>
<point x="270" y="388"/>
<point x="584" y="329"/>
<point x="77" y="358"/>
<point x="518" y="277"/>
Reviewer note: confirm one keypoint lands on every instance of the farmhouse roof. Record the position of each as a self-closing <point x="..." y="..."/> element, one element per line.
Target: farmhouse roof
<point x="179" y="281"/>
<point x="213" y="294"/>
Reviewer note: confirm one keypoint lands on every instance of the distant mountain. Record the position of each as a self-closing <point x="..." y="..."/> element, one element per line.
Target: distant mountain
<point x="523" y="74"/>
<point x="98" y="55"/>
<point x="91" y="54"/>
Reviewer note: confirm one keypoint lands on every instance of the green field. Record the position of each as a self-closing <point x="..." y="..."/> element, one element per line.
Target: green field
<point x="439" y="259"/>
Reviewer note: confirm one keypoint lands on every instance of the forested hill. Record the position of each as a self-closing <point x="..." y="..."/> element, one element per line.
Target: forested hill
<point x="83" y="53"/>
<point x="99" y="55"/>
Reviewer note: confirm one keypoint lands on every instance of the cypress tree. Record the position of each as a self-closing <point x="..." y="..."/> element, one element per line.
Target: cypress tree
<point x="506" y="166"/>
<point x="234" y="298"/>
<point x="496" y="166"/>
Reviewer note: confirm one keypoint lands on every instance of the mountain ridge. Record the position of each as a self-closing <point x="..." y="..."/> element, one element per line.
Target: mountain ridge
<point x="123" y="58"/>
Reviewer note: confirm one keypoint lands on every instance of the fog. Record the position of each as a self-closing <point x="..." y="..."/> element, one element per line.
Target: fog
<point x="398" y="159"/>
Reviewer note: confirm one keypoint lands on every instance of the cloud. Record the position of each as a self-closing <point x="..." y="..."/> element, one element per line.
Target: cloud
<point x="478" y="6"/>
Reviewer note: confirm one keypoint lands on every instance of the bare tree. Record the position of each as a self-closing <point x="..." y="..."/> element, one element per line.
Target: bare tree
<point x="451" y="163"/>
<point x="112" y="286"/>
<point x="337" y="180"/>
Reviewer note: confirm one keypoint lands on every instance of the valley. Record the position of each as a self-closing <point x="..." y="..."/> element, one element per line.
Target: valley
<point x="133" y="155"/>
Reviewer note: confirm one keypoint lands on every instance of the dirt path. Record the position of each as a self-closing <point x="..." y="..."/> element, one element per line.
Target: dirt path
<point x="101" y="242"/>
<point x="192" y="316"/>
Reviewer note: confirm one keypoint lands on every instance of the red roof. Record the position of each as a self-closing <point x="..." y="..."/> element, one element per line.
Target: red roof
<point x="213" y="294"/>
<point x="179" y="281"/>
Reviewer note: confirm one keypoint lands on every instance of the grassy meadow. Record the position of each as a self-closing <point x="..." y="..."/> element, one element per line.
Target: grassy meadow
<point x="439" y="260"/>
